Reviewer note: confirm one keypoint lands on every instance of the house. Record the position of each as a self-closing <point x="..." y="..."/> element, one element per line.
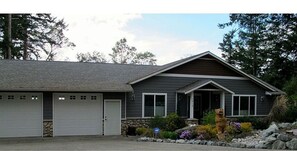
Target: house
<point x="39" y="98"/>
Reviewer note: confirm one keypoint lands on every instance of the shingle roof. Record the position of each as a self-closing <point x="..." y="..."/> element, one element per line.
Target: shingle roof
<point x="69" y="76"/>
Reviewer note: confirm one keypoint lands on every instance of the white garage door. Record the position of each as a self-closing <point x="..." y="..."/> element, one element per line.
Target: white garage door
<point x="77" y="114"/>
<point x="21" y="114"/>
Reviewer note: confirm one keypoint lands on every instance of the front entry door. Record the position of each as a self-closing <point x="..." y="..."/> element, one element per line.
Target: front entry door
<point x="197" y="106"/>
<point x="112" y="117"/>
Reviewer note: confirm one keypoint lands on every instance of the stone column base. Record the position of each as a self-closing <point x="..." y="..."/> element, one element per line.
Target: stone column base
<point x="47" y="128"/>
<point x="191" y="121"/>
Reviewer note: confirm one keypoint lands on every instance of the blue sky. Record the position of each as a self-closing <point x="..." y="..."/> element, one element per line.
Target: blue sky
<point x="169" y="36"/>
<point x="193" y="26"/>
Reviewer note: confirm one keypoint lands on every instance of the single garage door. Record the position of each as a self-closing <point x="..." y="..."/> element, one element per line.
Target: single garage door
<point x="77" y="114"/>
<point x="21" y="114"/>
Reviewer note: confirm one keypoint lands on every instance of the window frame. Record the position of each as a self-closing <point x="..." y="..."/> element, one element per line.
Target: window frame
<point x="239" y="99"/>
<point x="154" y="94"/>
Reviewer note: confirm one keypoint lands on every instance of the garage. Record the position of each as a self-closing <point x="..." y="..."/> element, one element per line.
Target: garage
<point x="77" y="114"/>
<point x="21" y="114"/>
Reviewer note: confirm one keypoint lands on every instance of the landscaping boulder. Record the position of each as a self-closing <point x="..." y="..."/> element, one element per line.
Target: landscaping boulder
<point x="284" y="125"/>
<point x="261" y="146"/>
<point x="284" y="137"/>
<point x="180" y="141"/>
<point x="295" y="132"/>
<point x="292" y="144"/>
<point x="189" y="128"/>
<point x="279" y="145"/>
<point x="270" y="130"/>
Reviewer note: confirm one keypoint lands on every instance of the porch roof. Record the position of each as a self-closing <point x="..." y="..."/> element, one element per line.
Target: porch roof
<point x="200" y="83"/>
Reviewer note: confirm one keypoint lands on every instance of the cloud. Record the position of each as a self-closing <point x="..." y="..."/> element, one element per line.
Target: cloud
<point x="100" y="32"/>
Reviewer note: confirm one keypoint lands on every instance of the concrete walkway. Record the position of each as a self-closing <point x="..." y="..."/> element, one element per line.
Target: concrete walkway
<point x="99" y="143"/>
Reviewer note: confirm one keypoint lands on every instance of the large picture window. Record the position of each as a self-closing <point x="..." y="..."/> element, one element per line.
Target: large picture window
<point x="244" y="105"/>
<point x="154" y="104"/>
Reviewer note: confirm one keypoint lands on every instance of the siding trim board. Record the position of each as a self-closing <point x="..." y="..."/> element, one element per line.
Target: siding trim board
<point x="201" y="76"/>
<point x="198" y="84"/>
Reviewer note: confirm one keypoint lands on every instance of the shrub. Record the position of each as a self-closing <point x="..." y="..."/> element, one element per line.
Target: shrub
<point x="258" y="123"/>
<point x="230" y="129"/>
<point x="206" y="131"/>
<point x="278" y="109"/>
<point x="148" y="132"/>
<point x="209" y="118"/>
<point x="290" y="115"/>
<point x="145" y="131"/>
<point x="168" y="134"/>
<point x="246" y="127"/>
<point x="174" y="122"/>
<point x="157" y="121"/>
<point x="140" y="130"/>
<point x="186" y="134"/>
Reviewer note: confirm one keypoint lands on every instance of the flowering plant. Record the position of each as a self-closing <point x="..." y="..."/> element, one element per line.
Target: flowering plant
<point x="185" y="134"/>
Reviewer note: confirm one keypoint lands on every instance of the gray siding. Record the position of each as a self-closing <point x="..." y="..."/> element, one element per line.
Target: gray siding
<point x="47" y="105"/>
<point x="117" y="95"/>
<point x="169" y="85"/>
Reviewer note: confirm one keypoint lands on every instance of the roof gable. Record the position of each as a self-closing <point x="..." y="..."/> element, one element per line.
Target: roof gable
<point x="206" y="65"/>
<point x="208" y="54"/>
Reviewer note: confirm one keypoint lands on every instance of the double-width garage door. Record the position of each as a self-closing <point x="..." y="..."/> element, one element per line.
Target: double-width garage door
<point x="77" y="114"/>
<point x="20" y="114"/>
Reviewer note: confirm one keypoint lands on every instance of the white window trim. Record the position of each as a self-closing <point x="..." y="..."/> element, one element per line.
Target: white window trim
<point x="240" y="95"/>
<point x="143" y="94"/>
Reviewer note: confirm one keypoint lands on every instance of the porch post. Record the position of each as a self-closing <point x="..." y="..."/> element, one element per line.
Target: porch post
<point x="222" y="101"/>
<point x="192" y="105"/>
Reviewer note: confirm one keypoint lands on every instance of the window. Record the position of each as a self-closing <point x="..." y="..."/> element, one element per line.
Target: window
<point x="22" y="97"/>
<point x="0" y="97"/>
<point x="83" y="97"/>
<point x="244" y="105"/>
<point x="154" y="104"/>
<point x="34" y="97"/>
<point x="61" y="98"/>
<point x="72" y="97"/>
<point x="10" y="97"/>
<point x="93" y="97"/>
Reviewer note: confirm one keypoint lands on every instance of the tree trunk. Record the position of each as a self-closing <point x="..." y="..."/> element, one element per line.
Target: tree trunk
<point x="25" y="44"/>
<point x="8" y="32"/>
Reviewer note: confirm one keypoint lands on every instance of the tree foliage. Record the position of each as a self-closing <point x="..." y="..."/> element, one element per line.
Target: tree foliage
<point x="263" y="45"/>
<point x="34" y="36"/>
<point x="122" y="53"/>
<point x="94" y="57"/>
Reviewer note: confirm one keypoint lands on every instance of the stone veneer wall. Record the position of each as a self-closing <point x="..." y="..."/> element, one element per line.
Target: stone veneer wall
<point x="48" y="128"/>
<point x="133" y="123"/>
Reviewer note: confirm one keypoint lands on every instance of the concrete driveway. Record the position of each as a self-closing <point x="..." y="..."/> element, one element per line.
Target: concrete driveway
<point x="98" y="143"/>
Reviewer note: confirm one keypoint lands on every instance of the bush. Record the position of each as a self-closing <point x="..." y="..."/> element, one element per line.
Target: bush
<point x="278" y="110"/>
<point x="206" y="131"/>
<point x="167" y="134"/>
<point x="140" y="130"/>
<point x="148" y="132"/>
<point x="230" y="129"/>
<point x="290" y="115"/>
<point x="170" y="123"/>
<point x="258" y="123"/>
<point x="174" y="122"/>
<point x="186" y="135"/>
<point x="209" y="118"/>
<point x="157" y="121"/>
<point x="246" y="127"/>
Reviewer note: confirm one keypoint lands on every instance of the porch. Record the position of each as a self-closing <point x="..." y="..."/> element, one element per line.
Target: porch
<point x="199" y="97"/>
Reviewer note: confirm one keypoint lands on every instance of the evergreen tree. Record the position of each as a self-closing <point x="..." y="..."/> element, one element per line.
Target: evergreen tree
<point x="33" y="35"/>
